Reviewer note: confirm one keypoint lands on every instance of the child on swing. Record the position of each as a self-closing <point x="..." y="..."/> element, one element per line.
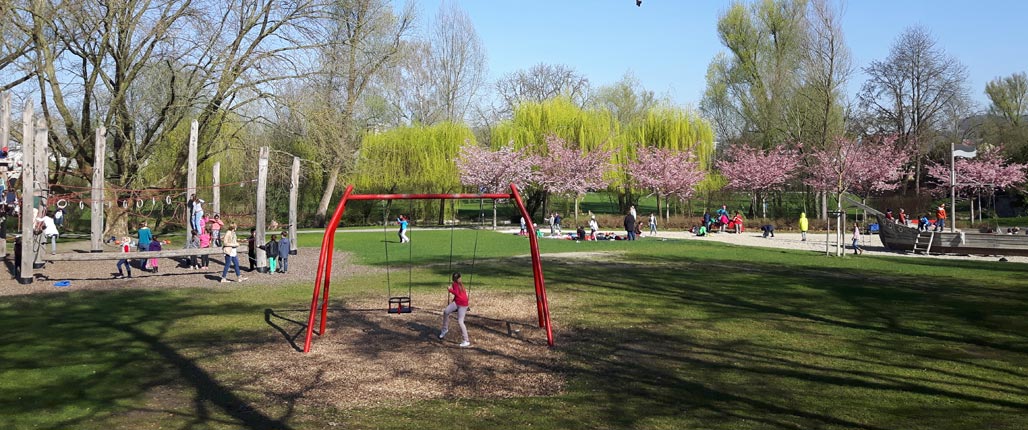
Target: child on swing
<point x="460" y="305"/>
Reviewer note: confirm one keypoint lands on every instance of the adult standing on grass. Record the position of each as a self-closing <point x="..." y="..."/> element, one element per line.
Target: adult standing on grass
<point x="804" y="224"/>
<point x="630" y="226"/>
<point x="856" y="239"/>
<point x="460" y="305"/>
<point x="231" y="248"/>
<point x="593" y="227"/>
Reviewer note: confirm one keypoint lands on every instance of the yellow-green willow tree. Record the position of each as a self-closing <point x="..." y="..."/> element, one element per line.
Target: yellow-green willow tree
<point x="667" y="128"/>
<point x="599" y="130"/>
<point x="414" y="159"/>
<point x="582" y="129"/>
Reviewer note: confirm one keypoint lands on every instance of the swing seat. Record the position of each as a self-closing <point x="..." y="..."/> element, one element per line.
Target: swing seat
<point x="402" y="305"/>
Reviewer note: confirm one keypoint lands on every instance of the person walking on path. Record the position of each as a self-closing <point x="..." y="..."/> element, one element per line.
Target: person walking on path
<point x="231" y="250"/>
<point x="126" y="246"/>
<point x="593" y="227"/>
<point x="856" y="239"/>
<point x="524" y="228"/>
<point x="653" y="224"/>
<point x="804" y="224"/>
<point x="283" y="252"/>
<point x="460" y="305"/>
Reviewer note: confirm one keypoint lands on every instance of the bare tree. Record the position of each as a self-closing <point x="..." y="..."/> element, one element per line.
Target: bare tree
<point x="142" y="69"/>
<point x="15" y="45"/>
<point x="826" y="70"/>
<point x="626" y="99"/>
<point x="439" y="74"/>
<point x="365" y="36"/>
<point x="541" y="82"/>
<point x="909" y="92"/>
<point x="458" y="60"/>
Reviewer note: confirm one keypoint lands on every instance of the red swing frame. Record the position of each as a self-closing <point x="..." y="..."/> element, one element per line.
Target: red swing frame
<point x="324" y="275"/>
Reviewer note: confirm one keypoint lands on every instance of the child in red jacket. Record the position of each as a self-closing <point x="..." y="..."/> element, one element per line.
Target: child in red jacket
<point x="459" y="304"/>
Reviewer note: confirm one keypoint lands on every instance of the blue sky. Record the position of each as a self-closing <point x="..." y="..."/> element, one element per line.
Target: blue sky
<point x="668" y="44"/>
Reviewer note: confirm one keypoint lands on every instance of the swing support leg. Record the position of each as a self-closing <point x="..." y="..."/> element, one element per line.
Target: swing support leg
<point x="324" y="274"/>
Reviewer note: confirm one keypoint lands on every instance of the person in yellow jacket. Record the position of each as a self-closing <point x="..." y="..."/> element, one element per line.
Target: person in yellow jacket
<point x="803" y="225"/>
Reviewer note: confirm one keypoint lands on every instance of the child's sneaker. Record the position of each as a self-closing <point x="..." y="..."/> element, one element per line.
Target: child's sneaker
<point x="442" y="334"/>
<point x="223" y="280"/>
<point x="465" y="344"/>
<point x="240" y="279"/>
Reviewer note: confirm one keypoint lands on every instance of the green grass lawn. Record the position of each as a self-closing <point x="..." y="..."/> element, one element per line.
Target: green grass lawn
<point x="662" y="335"/>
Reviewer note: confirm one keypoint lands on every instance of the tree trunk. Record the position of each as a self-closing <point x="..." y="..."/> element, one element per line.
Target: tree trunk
<point x="326" y="197"/>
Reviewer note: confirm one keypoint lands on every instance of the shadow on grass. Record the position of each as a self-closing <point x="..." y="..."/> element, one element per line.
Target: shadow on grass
<point x="94" y="357"/>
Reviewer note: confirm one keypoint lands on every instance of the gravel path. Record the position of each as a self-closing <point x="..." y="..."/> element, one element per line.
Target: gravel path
<point x="815" y="243"/>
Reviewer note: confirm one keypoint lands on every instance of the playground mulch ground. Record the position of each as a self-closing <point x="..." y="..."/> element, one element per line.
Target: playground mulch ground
<point x="371" y="358"/>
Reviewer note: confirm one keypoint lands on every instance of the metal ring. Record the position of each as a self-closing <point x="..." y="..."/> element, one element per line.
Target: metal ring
<point x="61" y="204"/>
<point x="124" y="204"/>
<point x="153" y="202"/>
<point x="82" y="205"/>
<point x="167" y="199"/>
<point x="139" y="203"/>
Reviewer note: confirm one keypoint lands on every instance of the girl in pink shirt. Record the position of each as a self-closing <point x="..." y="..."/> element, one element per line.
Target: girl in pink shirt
<point x="459" y="304"/>
<point x="205" y="242"/>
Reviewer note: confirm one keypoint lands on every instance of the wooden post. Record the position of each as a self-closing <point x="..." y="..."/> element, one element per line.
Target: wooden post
<point x="262" y="194"/>
<point x="96" y="221"/>
<point x="41" y="180"/>
<point x="216" y="188"/>
<point x="191" y="178"/>
<point x="5" y="131"/>
<point x="42" y="168"/>
<point x="25" y="271"/>
<point x="294" y="189"/>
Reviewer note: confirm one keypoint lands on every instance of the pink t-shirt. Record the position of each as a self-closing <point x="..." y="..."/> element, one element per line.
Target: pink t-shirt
<point x="205" y="240"/>
<point x="460" y="295"/>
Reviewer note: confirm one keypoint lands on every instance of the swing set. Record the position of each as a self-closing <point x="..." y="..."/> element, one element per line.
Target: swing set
<point x="323" y="278"/>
